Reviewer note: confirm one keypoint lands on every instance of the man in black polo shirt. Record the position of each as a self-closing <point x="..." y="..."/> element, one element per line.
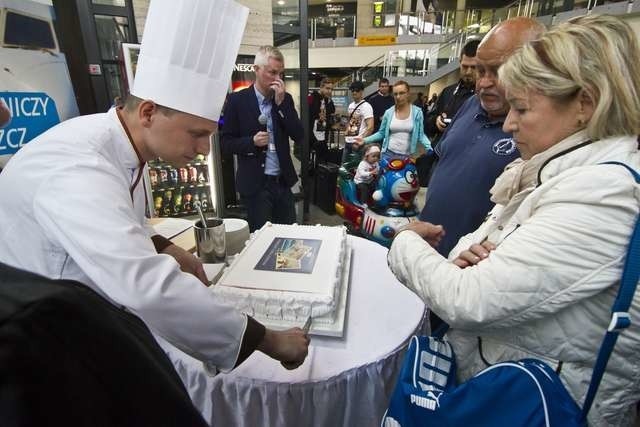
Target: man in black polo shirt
<point x="380" y="101"/>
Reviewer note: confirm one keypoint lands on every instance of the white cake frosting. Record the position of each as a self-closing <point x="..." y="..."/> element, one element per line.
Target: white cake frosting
<point x="284" y="295"/>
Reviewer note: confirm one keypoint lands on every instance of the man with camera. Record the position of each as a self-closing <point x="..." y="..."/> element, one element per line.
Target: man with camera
<point x="452" y="97"/>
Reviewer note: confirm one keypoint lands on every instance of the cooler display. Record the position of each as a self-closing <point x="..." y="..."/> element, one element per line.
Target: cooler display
<point x="176" y="190"/>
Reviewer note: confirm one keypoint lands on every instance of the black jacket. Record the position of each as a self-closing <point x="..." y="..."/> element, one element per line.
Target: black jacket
<point x="68" y="357"/>
<point x="380" y="104"/>
<point x="314" y="112"/>
<point x="449" y="102"/>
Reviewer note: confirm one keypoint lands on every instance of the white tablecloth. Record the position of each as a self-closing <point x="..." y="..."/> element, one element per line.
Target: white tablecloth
<point x="343" y="382"/>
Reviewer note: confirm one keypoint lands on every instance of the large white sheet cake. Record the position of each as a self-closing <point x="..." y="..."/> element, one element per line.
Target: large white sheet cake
<point x="288" y="272"/>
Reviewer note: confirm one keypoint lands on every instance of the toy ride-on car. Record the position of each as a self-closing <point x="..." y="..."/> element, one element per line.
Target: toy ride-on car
<point x="391" y="205"/>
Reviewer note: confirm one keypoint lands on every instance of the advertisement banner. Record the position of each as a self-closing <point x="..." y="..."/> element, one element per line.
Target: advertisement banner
<point x="32" y="113"/>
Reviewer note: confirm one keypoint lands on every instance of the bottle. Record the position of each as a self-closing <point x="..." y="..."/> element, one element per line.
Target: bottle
<point x="177" y="201"/>
<point x="184" y="175"/>
<point x="158" y="203"/>
<point x="166" y="203"/>
<point x="186" y="202"/>
<point x="173" y="177"/>
<point x="153" y="177"/>
<point x="202" y="176"/>
<point x="193" y="174"/>
<point x="164" y="176"/>
<point x="204" y="199"/>
<point x="195" y="200"/>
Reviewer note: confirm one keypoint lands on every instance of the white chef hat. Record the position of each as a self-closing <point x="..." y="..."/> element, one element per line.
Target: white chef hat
<point x="188" y="52"/>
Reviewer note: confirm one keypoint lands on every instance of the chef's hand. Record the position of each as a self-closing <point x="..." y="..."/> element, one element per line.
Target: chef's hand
<point x="475" y="254"/>
<point x="432" y="234"/>
<point x="188" y="262"/>
<point x="289" y="347"/>
<point x="278" y="90"/>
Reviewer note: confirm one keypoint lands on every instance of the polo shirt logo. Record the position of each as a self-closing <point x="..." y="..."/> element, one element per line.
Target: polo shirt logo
<point x="504" y="146"/>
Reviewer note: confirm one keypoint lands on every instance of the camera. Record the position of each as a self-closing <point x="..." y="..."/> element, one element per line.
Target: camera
<point x="446" y="120"/>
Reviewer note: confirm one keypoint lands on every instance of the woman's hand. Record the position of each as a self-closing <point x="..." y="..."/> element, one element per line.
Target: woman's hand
<point x="358" y="141"/>
<point x="432" y="234"/>
<point x="475" y="254"/>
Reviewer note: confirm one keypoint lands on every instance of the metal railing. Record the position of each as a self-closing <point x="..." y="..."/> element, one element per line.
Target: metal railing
<point x="403" y="63"/>
<point x="366" y="74"/>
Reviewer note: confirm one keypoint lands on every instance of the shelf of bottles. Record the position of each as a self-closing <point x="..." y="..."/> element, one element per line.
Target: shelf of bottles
<point x="176" y="190"/>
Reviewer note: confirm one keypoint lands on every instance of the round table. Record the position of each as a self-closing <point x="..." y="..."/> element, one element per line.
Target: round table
<point x="344" y="381"/>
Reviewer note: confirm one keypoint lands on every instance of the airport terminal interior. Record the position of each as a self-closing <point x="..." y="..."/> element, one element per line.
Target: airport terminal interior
<point x="63" y="59"/>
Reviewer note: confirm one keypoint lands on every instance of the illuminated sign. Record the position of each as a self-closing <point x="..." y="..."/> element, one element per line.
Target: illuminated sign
<point x="376" y="40"/>
<point x="334" y="9"/>
<point x="243" y="68"/>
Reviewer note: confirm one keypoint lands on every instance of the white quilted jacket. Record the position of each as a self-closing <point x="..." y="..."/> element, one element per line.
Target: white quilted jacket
<point x="547" y="290"/>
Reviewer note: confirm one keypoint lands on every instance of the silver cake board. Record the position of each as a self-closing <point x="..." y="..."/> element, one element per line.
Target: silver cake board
<point x="322" y="325"/>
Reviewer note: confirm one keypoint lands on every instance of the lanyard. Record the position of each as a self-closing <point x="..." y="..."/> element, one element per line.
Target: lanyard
<point x="141" y="166"/>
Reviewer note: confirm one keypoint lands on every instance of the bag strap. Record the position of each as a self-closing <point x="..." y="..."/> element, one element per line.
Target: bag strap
<point x="356" y="108"/>
<point x="620" y="311"/>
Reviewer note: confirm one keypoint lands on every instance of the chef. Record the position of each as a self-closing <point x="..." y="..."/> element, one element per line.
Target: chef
<point x="73" y="199"/>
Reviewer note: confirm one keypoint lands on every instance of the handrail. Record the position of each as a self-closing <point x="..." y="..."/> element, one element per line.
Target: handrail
<point x="360" y="71"/>
<point x="455" y="44"/>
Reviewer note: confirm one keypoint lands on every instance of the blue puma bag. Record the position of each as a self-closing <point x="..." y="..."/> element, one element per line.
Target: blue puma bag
<point x="520" y="393"/>
<point x="523" y="393"/>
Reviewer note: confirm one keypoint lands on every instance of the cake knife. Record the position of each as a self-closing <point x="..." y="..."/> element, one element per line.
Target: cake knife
<point x="307" y="325"/>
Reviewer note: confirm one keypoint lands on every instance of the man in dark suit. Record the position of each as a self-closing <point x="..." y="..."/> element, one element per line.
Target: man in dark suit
<point x="258" y="122"/>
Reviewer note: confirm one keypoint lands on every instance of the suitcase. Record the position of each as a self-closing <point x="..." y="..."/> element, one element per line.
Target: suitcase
<point x="325" y="191"/>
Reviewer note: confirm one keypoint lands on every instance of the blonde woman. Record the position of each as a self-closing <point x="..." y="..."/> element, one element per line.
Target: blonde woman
<point x="539" y="277"/>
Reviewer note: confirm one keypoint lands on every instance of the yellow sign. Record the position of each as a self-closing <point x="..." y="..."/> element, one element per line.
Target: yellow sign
<point x="377" y="7"/>
<point x="376" y="40"/>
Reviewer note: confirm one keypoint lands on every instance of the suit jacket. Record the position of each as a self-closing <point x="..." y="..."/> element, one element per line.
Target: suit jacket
<point x="241" y="124"/>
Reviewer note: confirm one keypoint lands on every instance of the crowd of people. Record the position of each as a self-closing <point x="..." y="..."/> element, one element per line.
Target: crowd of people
<point x="519" y="247"/>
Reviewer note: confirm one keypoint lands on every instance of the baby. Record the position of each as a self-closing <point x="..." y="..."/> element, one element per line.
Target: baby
<point x="367" y="172"/>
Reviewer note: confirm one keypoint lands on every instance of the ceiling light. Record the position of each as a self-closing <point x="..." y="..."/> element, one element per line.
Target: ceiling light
<point x="281" y="2"/>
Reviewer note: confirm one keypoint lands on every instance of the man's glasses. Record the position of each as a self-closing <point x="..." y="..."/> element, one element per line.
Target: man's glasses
<point x="399" y="93"/>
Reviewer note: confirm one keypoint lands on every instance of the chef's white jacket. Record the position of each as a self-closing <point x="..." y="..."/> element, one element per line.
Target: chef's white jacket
<point x="67" y="213"/>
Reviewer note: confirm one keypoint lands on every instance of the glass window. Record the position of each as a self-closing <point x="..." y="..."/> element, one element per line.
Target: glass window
<point x="121" y="3"/>
<point x="285" y="12"/>
<point x="112" y="32"/>
<point x="113" y="77"/>
<point x="21" y="30"/>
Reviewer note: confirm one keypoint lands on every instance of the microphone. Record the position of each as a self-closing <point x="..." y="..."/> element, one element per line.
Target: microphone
<point x="262" y="119"/>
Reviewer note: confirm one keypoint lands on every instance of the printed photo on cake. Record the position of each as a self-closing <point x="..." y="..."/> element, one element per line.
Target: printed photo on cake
<point x="290" y="255"/>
